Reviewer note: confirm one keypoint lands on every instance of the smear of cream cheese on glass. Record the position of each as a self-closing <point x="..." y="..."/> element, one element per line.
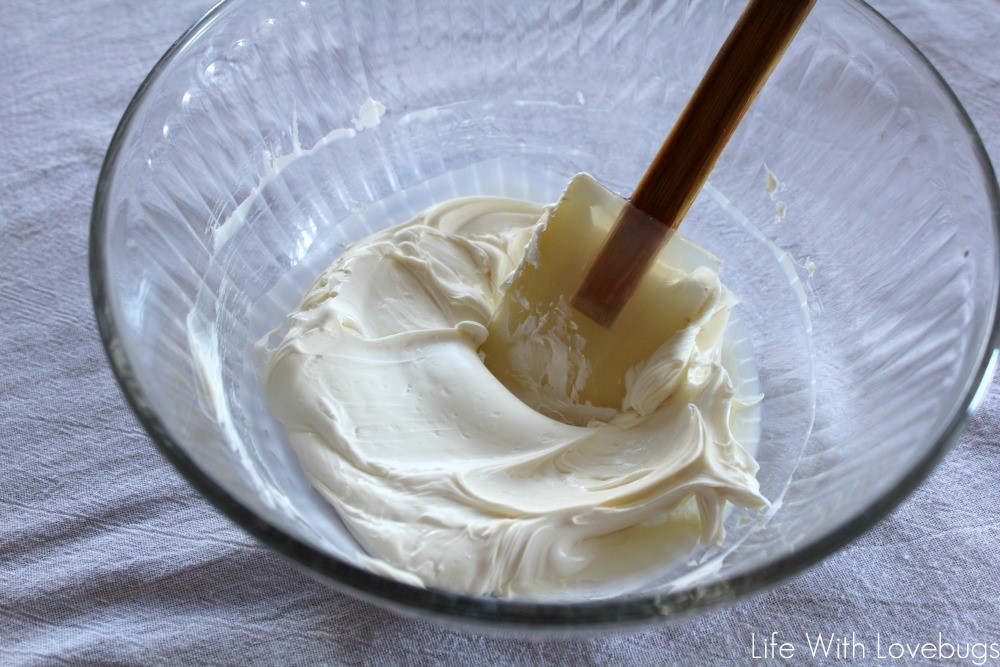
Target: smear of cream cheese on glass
<point x="445" y="477"/>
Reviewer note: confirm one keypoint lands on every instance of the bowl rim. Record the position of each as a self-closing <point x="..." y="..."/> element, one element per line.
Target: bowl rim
<point x="503" y="613"/>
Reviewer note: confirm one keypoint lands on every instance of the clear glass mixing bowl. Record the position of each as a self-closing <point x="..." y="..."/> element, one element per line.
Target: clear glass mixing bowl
<point x="865" y="251"/>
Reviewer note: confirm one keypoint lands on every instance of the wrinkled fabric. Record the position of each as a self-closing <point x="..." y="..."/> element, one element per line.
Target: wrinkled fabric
<point x="107" y="555"/>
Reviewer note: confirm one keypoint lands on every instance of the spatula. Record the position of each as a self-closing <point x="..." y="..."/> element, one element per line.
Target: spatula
<point x="600" y="273"/>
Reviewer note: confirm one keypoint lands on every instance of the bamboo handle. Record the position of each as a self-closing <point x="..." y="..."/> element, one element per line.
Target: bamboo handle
<point x="686" y="158"/>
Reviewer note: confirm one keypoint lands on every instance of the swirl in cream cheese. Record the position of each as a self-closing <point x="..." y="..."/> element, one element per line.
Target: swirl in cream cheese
<point x="445" y="477"/>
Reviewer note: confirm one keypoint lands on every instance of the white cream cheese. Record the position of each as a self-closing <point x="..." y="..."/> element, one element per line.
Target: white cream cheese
<point x="445" y="477"/>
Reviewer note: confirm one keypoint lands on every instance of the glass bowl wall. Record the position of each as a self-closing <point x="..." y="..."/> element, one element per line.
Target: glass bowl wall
<point x="855" y="212"/>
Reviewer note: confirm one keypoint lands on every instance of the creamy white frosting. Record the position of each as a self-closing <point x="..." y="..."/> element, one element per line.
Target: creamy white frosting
<point x="445" y="477"/>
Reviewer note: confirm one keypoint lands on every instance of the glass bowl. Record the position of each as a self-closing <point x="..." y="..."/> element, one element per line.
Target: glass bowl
<point x="855" y="212"/>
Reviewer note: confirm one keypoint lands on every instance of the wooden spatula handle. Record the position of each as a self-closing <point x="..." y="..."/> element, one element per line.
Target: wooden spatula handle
<point x="733" y="80"/>
<point x="683" y="163"/>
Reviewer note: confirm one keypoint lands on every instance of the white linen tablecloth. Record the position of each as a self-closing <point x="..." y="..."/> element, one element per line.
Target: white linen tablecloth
<point x="107" y="555"/>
